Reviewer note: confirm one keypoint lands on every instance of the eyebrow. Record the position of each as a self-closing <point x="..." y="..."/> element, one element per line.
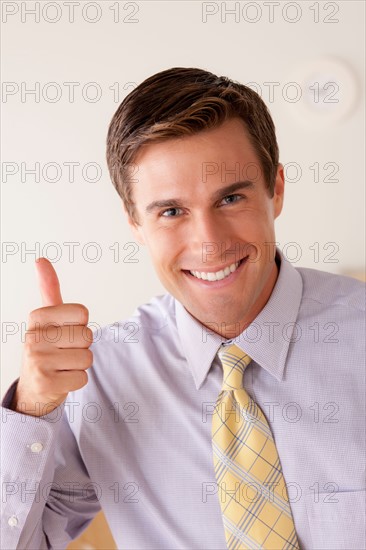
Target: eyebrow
<point x="219" y="194"/>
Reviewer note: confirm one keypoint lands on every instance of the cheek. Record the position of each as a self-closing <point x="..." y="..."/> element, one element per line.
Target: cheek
<point x="253" y="234"/>
<point x="162" y="249"/>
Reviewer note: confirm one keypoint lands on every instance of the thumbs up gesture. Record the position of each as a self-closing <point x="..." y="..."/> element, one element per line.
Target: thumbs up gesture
<point x="56" y="352"/>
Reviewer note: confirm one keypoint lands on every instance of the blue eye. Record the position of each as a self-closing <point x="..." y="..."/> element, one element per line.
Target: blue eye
<point x="170" y="213"/>
<point x="234" y="196"/>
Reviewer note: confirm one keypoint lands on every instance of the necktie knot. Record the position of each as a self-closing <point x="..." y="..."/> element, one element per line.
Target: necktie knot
<point x="234" y="361"/>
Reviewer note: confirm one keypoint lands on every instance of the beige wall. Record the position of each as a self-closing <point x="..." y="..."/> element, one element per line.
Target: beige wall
<point x="115" y="56"/>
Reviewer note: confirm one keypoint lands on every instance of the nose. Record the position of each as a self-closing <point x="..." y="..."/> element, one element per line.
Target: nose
<point x="211" y="239"/>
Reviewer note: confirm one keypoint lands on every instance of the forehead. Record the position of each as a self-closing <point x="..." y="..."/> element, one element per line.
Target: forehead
<point x="223" y="153"/>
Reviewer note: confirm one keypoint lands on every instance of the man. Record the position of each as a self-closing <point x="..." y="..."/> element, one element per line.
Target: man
<point x="226" y="413"/>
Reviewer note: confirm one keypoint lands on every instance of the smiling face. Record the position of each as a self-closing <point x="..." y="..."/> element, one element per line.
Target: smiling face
<point x="208" y="222"/>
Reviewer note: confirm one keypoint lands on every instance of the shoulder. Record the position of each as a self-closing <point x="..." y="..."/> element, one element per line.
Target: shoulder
<point x="330" y="289"/>
<point x="126" y="350"/>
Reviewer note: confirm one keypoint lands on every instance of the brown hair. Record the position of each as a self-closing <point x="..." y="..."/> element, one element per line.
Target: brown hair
<point x="179" y="102"/>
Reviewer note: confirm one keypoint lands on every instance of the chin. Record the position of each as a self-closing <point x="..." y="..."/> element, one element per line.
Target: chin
<point x="218" y="315"/>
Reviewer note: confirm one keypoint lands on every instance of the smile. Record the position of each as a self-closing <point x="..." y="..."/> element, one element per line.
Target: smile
<point x="212" y="276"/>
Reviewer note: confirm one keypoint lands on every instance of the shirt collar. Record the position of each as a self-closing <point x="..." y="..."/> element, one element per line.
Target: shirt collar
<point x="266" y="340"/>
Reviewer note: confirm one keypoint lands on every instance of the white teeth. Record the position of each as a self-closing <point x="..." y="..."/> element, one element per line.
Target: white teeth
<point x="218" y="275"/>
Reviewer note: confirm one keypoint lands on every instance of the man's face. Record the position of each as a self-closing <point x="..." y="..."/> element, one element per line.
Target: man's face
<point x="192" y="221"/>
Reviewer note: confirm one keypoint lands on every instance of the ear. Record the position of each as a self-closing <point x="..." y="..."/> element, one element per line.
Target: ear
<point x="135" y="228"/>
<point x="279" y="191"/>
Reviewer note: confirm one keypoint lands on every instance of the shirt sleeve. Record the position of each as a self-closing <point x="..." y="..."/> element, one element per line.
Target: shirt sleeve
<point x="47" y="494"/>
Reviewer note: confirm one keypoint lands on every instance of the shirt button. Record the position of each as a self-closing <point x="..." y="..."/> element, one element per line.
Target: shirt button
<point x="13" y="521"/>
<point x="36" y="447"/>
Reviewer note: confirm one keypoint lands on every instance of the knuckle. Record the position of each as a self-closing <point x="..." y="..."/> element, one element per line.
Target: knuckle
<point x="83" y="312"/>
<point x="88" y="335"/>
<point x="80" y="380"/>
<point x="88" y="357"/>
<point x="83" y="378"/>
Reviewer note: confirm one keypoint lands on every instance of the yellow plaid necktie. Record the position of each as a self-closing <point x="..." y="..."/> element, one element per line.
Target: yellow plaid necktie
<point x="251" y="487"/>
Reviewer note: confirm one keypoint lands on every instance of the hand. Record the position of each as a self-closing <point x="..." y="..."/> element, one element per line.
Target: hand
<point x="56" y="352"/>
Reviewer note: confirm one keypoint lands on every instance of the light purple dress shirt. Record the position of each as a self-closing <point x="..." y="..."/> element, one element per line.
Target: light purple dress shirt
<point x="136" y="440"/>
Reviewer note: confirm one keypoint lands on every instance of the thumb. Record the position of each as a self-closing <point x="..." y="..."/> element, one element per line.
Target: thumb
<point x="48" y="283"/>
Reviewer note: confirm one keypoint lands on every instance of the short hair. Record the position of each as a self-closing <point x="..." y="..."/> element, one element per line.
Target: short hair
<point x="179" y="102"/>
